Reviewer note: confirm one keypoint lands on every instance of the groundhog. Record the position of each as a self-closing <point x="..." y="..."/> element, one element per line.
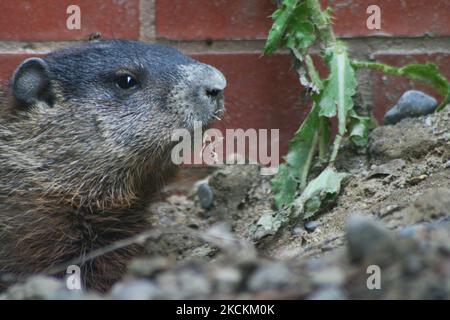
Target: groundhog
<point x="85" y="141"/>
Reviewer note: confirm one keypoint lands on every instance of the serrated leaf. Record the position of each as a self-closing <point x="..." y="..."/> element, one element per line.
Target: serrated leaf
<point x="303" y="36"/>
<point x="303" y="146"/>
<point x="322" y="190"/>
<point x="281" y="19"/>
<point x="285" y="186"/>
<point x="302" y="33"/>
<point x="339" y="88"/>
<point x="292" y="28"/>
<point x="298" y="160"/>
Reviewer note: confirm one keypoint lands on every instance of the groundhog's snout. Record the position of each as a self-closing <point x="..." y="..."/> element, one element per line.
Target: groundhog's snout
<point x="211" y="88"/>
<point x="215" y="83"/>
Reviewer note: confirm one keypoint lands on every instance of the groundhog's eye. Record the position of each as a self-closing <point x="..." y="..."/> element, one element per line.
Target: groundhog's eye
<point x="126" y="81"/>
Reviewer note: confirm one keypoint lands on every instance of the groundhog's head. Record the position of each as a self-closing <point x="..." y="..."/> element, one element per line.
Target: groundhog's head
<point x="126" y="86"/>
<point x="105" y="107"/>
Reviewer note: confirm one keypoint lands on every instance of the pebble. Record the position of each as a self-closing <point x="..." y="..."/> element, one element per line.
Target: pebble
<point x="147" y="267"/>
<point x="44" y="288"/>
<point x="311" y="226"/>
<point x="184" y="284"/>
<point x="389" y="210"/>
<point x="393" y="167"/>
<point x="135" y="290"/>
<point x="447" y="165"/>
<point x="417" y="179"/>
<point x="331" y="276"/>
<point x="205" y="195"/>
<point x="412" y="103"/>
<point x="273" y="277"/>
<point x="227" y="280"/>
<point x="297" y="231"/>
<point x="409" y="231"/>
<point x="370" y="242"/>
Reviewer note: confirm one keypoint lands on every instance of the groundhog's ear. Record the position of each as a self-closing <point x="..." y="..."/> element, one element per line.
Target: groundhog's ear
<point x="31" y="82"/>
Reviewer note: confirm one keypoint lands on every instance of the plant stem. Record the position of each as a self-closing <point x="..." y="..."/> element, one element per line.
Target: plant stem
<point x="304" y="177"/>
<point x="336" y="146"/>
<point x="322" y="22"/>
<point x="377" y="66"/>
<point x="324" y="138"/>
<point x="394" y="71"/>
<point x="312" y="72"/>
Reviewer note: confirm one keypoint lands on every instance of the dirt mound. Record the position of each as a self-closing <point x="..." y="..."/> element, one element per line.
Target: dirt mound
<point x="387" y="236"/>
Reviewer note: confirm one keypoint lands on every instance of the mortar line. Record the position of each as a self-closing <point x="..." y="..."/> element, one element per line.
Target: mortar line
<point x="147" y="18"/>
<point x="358" y="46"/>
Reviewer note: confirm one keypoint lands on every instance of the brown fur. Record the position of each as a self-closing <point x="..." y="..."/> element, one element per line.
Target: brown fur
<point x="45" y="222"/>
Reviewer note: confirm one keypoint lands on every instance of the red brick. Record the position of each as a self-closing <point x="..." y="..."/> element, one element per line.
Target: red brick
<point x="262" y="93"/>
<point x="213" y="19"/>
<point x="41" y="20"/>
<point x="250" y="19"/>
<point x="388" y="89"/>
<point x="398" y="18"/>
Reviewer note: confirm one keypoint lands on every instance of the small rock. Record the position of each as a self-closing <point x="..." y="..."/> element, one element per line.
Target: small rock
<point x="273" y="277"/>
<point x="184" y="284"/>
<point x="416" y="180"/>
<point x="447" y="165"/>
<point x="409" y="231"/>
<point x="370" y="242"/>
<point x="310" y="226"/>
<point x="388" y="210"/>
<point x="41" y="287"/>
<point x="221" y="236"/>
<point x="227" y="280"/>
<point x="297" y="231"/>
<point x="331" y="276"/>
<point x="412" y="264"/>
<point x="328" y="247"/>
<point x="135" y="290"/>
<point x="412" y="103"/>
<point x="148" y="267"/>
<point x="393" y="167"/>
<point x="331" y="243"/>
<point x="315" y="264"/>
<point x="205" y="195"/>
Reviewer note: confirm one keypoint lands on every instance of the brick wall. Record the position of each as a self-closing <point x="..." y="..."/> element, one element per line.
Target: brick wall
<point x="263" y="92"/>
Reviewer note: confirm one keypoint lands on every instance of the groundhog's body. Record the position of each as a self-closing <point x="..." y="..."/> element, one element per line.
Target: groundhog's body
<point x="84" y="143"/>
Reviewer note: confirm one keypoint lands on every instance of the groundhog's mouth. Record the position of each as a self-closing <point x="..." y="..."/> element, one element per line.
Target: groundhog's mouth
<point x="211" y="113"/>
<point x="217" y="115"/>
